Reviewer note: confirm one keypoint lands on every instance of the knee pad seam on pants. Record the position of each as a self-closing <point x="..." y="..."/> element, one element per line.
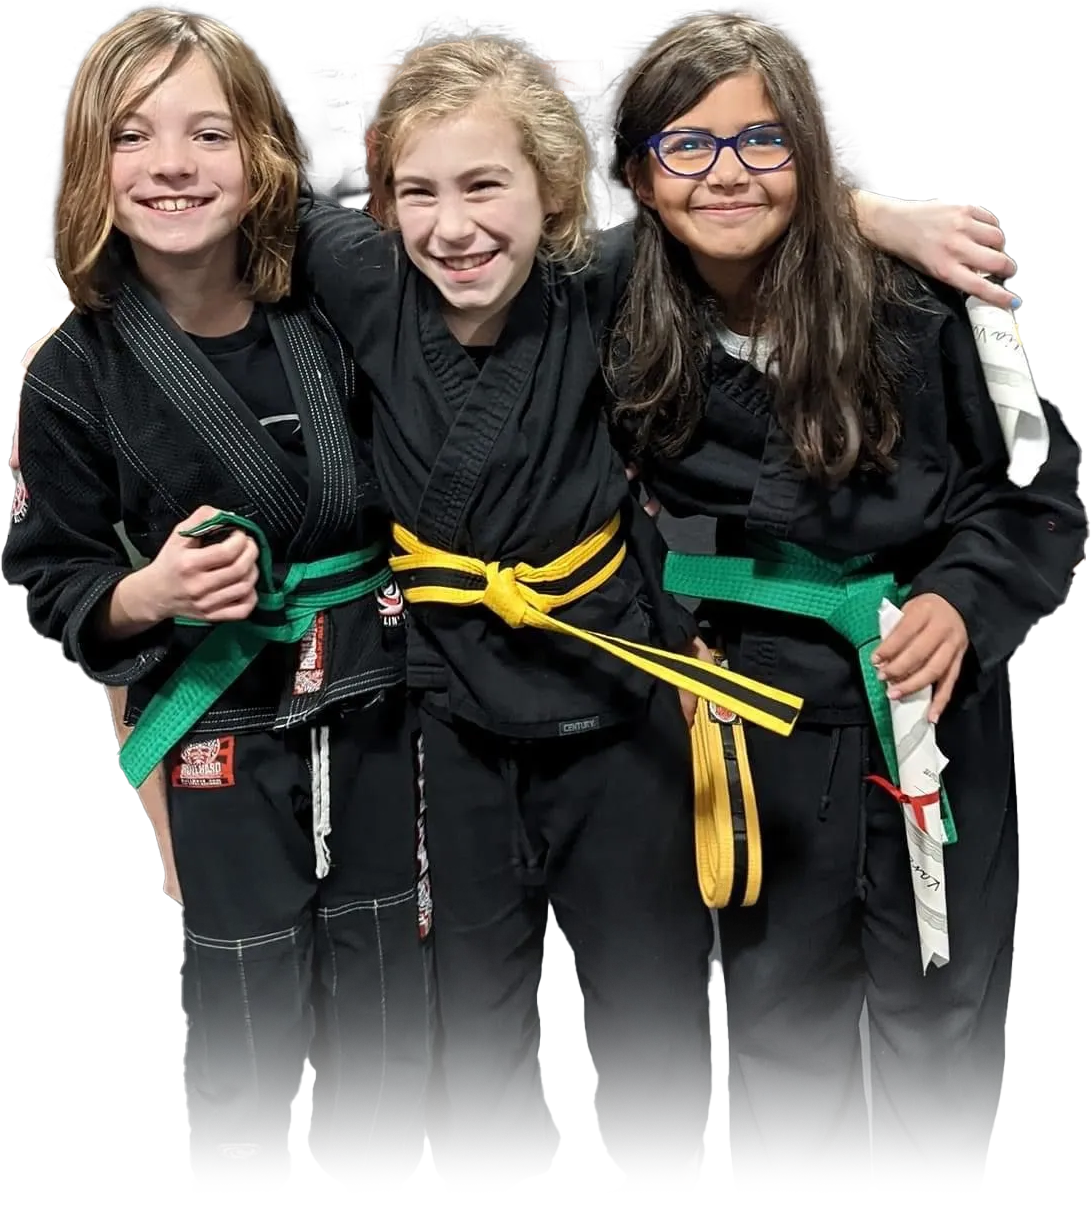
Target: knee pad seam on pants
<point x="237" y="944"/>
<point x="368" y="904"/>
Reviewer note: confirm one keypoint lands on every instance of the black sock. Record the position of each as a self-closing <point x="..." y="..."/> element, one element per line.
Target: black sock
<point x="154" y="939"/>
<point x="147" y="1028"/>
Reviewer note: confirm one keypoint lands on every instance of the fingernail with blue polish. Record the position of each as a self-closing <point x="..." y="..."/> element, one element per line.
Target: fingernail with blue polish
<point x="1016" y="303"/>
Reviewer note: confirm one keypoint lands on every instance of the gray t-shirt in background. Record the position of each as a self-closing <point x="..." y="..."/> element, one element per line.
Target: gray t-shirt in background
<point x="41" y="46"/>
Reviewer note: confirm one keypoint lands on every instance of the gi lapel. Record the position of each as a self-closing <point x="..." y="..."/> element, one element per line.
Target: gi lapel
<point x="331" y="460"/>
<point x="482" y="408"/>
<point x="212" y="409"/>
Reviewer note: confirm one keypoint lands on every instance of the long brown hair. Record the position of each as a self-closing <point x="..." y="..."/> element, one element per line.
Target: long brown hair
<point x="106" y="90"/>
<point x="1001" y="132"/>
<point x="444" y="76"/>
<point x="834" y="368"/>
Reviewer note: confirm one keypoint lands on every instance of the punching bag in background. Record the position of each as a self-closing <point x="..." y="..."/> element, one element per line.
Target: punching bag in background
<point x="328" y="36"/>
<point x="628" y="26"/>
<point x="517" y="19"/>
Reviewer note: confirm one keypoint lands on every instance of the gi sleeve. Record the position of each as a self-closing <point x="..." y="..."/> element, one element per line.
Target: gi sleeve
<point x="62" y="545"/>
<point x="350" y="267"/>
<point x="261" y="24"/>
<point x="1009" y="552"/>
<point x="1046" y="238"/>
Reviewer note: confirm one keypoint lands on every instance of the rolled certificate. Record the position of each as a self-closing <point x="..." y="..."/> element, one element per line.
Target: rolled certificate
<point x="920" y="764"/>
<point x="1011" y="387"/>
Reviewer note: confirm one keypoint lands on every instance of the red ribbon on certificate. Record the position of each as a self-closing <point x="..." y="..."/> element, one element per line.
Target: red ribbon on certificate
<point x="917" y="802"/>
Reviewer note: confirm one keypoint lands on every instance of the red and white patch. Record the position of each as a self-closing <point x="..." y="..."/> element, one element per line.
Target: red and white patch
<point x="311" y="668"/>
<point x="424" y="880"/>
<point x="205" y="763"/>
<point x="720" y="713"/>
<point x="21" y="499"/>
<point x="391" y="603"/>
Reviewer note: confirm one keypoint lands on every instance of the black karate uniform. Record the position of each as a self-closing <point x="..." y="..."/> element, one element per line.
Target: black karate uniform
<point x="556" y="774"/>
<point x="126" y="420"/>
<point x="835" y="925"/>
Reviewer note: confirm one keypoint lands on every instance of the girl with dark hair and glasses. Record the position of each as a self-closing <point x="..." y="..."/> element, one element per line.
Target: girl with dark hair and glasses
<point x="827" y="407"/>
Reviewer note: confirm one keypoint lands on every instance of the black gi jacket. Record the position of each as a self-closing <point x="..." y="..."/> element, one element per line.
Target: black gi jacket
<point x="948" y="521"/>
<point x="512" y="462"/>
<point x="124" y="421"/>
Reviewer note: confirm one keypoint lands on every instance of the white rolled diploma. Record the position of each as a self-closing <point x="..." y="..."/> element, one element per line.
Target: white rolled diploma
<point x="1011" y="387"/>
<point x="920" y="764"/>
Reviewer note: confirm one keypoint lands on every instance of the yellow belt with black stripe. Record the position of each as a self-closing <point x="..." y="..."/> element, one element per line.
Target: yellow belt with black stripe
<point x="524" y="597"/>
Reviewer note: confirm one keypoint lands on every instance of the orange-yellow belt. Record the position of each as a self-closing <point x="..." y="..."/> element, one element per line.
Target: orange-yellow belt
<point x="524" y="596"/>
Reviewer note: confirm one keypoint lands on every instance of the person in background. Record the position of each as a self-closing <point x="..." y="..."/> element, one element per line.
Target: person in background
<point x="42" y="47"/>
<point x="847" y="46"/>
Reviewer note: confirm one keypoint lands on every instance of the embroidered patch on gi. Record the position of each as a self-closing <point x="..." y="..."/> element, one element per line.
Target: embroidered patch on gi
<point x="311" y="669"/>
<point x="391" y="604"/>
<point x="424" y="880"/>
<point x="720" y="713"/>
<point x="19" y="503"/>
<point x="577" y="726"/>
<point x="205" y="763"/>
<point x="240" y="1151"/>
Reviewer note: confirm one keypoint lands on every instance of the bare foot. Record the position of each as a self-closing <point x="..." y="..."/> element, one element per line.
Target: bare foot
<point x="684" y="1182"/>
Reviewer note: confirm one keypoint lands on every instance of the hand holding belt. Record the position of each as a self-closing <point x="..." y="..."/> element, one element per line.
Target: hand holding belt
<point x="283" y="614"/>
<point x="799" y="583"/>
<point x="523" y="596"/>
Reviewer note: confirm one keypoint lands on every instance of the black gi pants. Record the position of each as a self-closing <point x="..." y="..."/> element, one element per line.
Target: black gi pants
<point x="835" y="928"/>
<point x="279" y="962"/>
<point x="600" y="826"/>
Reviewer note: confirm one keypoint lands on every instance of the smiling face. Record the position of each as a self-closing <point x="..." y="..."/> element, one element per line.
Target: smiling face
<point x="179" y="185"/>
<point x="1058" y="88"/>
<point x="730" y="218"/>
<point x="470" y="210"/>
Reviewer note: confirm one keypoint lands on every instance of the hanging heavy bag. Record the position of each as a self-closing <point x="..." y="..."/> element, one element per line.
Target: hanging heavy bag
<point x="919" y="97"/>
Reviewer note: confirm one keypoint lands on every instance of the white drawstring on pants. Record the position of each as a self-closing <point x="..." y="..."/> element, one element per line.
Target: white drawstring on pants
<point x="320" y="797"/>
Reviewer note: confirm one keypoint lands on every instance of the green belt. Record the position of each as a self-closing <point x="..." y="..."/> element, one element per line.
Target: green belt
<point x="283" y="613"/>
<point x="803" y="584"/>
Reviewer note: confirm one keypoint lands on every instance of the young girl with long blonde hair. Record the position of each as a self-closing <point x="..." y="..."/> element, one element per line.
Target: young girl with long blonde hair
<point x="192" y="400"/>
<point x="558" y="775"/>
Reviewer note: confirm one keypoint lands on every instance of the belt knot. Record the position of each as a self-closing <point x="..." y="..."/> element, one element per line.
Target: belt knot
<point x="505" y="596"/>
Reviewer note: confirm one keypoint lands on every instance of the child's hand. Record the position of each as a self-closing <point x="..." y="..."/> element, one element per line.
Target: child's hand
<point x="958" y="244"/>
<point x="926" y="647"/>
